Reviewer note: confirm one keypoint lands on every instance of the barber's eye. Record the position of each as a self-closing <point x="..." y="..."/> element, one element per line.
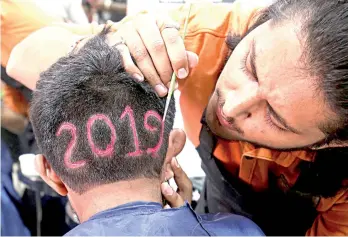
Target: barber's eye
<point x="244" y="68"/>
<point x="273" y="125"/>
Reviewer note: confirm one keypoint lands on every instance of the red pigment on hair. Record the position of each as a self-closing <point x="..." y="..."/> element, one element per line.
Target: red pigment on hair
<point x="128" y="111"/>
<point x="109" y="150"/>
<point x="154" y="150"/>
<point x="72" y="129"/>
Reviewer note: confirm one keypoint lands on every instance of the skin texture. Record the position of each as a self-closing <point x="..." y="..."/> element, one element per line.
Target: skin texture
<point x="107" y="196"/>
<point x="239" y="107"/>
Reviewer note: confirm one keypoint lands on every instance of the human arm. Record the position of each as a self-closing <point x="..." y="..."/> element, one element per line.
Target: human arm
<point x="155" y="45"/>
<point x="43" y="47"/>
<point x="37" y="52"/>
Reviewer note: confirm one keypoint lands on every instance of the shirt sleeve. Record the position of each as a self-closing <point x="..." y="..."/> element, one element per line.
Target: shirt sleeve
<point x="334" y="221"/>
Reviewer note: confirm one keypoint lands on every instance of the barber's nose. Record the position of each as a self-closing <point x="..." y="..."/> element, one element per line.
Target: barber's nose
<point x="241" y="102"/>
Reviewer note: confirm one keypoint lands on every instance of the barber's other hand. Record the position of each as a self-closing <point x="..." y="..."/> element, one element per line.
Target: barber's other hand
<point x="184" y="191"/>
<point x="157" y="48"/>
<point x="171" y="168"/>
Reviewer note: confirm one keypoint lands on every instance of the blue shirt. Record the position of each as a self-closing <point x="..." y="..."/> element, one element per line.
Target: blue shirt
<point x="11" y="221"/>
<point x="150" y="219"/>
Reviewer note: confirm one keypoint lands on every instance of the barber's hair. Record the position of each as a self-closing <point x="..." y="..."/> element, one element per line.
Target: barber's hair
<point x="95" y="123"/>
<point x="323" y="30"/>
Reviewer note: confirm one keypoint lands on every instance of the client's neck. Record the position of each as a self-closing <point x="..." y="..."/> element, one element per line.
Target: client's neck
<point x="111" y="195"/>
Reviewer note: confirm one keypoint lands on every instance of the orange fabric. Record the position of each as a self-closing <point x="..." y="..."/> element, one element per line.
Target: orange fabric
<point x="15" y="100"/>
<point x="18" y="20"/>
<point x="207" y="28"/>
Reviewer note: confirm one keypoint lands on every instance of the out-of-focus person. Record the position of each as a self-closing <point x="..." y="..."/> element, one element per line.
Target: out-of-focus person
<point x="68" y="10"/>
<point x="18" y="20"/>
<point x="103" y="10"/>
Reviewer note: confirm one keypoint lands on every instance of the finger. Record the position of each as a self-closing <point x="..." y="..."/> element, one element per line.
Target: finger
<point x="169" y="174"/>
<point x="143" y="60"/>
<point x="182" y="181"/>
<point x="172" y="197"/>
<point x="176" y="142"/>
<point x="128" y="63"/>
<point x="175" y="87"/>
<point x="151" y="36"/>
<point x="176" y="51"/>
<point x="192" y="59"/>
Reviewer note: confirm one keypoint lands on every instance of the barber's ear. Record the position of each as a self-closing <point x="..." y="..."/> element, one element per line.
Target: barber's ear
<point x="49" y="176"/>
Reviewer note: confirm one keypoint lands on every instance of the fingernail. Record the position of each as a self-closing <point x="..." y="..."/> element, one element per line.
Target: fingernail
<point x="167" y="190"/>
<point x="176" y="163"/>
<point x="193" y="63"/>
<point x="160" y="89"/>
<point x="182" y="73"/>
<point x="139" y="77"/>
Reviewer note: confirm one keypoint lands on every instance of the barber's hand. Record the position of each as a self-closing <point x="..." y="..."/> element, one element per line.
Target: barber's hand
<point x="184" y="191"/>
<point x="171" y="168"/>
<point x="157" y="48"/>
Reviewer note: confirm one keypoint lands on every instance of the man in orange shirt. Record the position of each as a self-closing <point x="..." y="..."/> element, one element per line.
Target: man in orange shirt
<point x="273" y="135"/>
<point x="18" y="20"/>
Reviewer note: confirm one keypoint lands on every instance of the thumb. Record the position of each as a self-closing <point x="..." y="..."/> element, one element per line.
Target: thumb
<point x="192" y="59"/>
<point x="172" y="197"/>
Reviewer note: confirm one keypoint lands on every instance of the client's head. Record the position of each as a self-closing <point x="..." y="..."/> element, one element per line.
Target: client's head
<point x="95" y="124"/>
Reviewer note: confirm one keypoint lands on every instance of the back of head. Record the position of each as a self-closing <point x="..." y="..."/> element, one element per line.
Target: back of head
<point x="94" y="123"/>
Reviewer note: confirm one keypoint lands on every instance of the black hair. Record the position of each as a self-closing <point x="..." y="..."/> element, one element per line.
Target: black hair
<point x="92" y="85"/>
<point x="324" y="31"/>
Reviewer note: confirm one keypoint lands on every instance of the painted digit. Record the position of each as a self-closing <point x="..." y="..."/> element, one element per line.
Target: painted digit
<point x="67" y="156"/>
<point x="154" y="150"/>
<point x="128" y="111"/>
<point x="109" y="150"/>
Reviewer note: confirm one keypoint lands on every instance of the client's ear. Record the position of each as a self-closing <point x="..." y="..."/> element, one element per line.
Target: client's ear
<point x="49" y="176"/>
<point x="176" y="142"/>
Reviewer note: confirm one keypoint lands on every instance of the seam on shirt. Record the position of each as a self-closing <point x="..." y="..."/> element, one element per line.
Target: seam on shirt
<point x="122" y="208"/>
<point x="252" y="172"/>
<point x="206" y="31"/>
<point x="199" y="219"/>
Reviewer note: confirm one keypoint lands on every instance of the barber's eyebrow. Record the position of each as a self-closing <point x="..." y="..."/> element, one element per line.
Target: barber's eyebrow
<point x="253" y="59"/>
<point x="281" y="120"/>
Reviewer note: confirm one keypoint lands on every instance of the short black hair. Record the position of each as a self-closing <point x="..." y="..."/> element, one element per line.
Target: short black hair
<point x="84" y="111"/>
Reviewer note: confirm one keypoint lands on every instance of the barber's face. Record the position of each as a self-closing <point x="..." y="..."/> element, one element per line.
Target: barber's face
<point x="264" y="96"/>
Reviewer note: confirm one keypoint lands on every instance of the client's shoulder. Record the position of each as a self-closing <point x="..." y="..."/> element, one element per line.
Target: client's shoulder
<point x="229" y="224"/>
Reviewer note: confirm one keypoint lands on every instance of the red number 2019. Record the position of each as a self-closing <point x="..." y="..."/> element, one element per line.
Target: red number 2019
<point x="109" y="150"/>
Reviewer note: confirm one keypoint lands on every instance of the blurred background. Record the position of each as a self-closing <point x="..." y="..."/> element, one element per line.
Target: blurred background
<point x="28" y="206"/>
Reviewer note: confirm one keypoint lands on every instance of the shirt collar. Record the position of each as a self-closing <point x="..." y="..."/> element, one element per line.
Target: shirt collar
<point x="283" y="158"/>
<point x="143" y="207"/>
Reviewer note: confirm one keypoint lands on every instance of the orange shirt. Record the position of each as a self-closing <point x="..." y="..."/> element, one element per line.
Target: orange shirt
<point x="207" y="29"/>
<point x="18" y="20"/>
